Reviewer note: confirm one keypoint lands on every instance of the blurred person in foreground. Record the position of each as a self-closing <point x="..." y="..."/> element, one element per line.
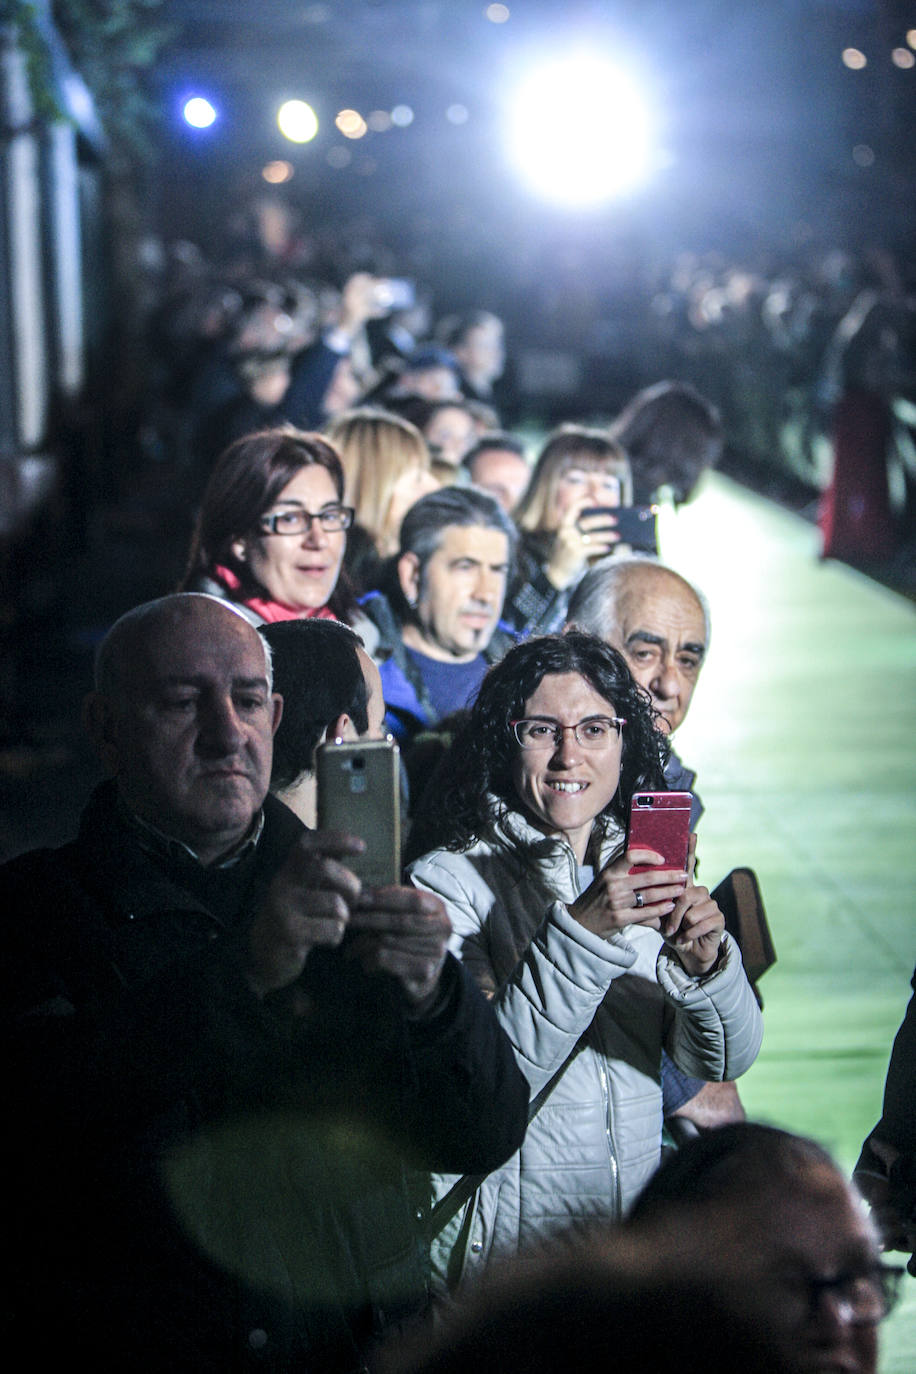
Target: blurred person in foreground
<point x="770" y="1217"/>
<point x="592" y="968"/>
<point x="660" y="624"/>
<point x="886" y="1170"/>
<point x="623" y="1304"/>
<point x="219" y="1105"/>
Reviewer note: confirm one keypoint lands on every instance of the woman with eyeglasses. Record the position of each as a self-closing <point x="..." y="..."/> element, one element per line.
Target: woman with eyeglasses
<point x="272" y="529"/>
<point x="592" y="969"/>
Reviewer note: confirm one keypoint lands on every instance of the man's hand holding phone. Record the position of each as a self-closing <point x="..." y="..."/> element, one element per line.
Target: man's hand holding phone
<point x="308" y="904"/>
<point x="403" y="932"/>
<point x="315" y="900"/>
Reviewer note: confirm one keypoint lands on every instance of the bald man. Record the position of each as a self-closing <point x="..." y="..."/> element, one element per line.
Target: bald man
<point x="215" y="1096"/>
<point x="660" y="623"/>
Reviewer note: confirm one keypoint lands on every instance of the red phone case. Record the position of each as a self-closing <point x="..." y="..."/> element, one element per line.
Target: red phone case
<point x="660" y="821"/>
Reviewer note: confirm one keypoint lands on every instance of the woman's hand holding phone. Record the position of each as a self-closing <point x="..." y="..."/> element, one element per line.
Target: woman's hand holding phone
<point x="695" y="926"/>
<point x="577" y="540"/>
<point x="617" y="897"/>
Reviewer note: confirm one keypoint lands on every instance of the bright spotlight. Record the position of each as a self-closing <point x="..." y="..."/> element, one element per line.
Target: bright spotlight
<point x="580" y="131"/>
<point x="297" y="121"/>
<point x="198" y="112"/>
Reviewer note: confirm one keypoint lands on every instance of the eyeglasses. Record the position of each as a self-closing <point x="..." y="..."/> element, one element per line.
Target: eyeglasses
<point x="538" y="732"/>
<point x="331" y="519"/>
<point x="860" y="1299"/>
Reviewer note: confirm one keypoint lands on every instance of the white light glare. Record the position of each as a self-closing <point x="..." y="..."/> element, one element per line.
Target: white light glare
<point x="297" y="121"/>
<point x="198" y="112"/>
<point x="580" y="131"/>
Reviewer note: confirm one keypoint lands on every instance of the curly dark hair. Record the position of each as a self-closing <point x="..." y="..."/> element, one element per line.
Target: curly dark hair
<point x="478" y="766"/>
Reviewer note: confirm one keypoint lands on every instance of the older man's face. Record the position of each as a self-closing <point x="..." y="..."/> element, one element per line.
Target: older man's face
<point x="661" y="632"/>
<point x="189" y="741"/>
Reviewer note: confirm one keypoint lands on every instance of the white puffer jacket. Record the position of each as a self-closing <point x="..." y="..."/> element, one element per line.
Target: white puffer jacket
<point x="606" y="1005"/>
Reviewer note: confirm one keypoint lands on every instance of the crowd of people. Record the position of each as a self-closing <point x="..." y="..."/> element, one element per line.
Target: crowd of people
<point x="310" y="1124"/>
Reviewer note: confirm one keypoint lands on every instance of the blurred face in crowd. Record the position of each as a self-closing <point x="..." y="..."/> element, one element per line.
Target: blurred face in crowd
<point x="481" y="352"/>
<point x="459" y="596"/>
<point x="660" y="628"/>
<point x="434" y="383"/>
<point x="580" y="485"/>
<point x="188" y="735"/>
<point x="450" y="433"/>
<point x="343" y="391"/>
<point x="298" y="570"/>
<point x="413" y="483"/>
<point x="503" y="473"/>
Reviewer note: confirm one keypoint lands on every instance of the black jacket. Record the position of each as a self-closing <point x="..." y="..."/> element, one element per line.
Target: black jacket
<point x="201" y="1180"/>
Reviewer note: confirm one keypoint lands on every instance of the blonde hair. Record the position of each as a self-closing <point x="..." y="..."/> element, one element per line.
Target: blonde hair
<point x="570" y="446"/>
<point x="376" y="448"/>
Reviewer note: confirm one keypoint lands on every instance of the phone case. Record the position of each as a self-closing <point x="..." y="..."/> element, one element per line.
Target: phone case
<point x="660" y="821"/>
<point x="359" y="792"/>
<point x="636" y="525"/>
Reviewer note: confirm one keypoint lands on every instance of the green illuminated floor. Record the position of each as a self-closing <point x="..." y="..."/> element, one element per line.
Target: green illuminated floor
<point x="803" y="731"/>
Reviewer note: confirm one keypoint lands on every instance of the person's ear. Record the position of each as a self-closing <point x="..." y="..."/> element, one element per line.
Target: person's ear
<point x="239" y="548"/>
<point x="278" y="711"/>
<point x="409" y="577"/>
<point x="341" y="728"/>
<point x="100" y="722"/>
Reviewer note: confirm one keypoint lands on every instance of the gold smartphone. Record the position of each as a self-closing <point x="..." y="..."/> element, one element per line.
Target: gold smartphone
<point x="359" y="792"/>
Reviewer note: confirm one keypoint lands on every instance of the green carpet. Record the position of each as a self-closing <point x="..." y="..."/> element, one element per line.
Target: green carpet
<point x="802" y="730"/>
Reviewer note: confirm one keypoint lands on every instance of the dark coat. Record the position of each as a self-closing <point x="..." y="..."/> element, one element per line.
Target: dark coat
<point x="202" y="1180"/>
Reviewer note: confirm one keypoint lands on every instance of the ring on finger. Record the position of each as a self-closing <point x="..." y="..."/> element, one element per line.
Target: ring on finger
<point x="638" y="899"/>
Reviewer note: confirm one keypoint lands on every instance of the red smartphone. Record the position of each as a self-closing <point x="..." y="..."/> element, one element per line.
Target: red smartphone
<point x="660" y="821"/>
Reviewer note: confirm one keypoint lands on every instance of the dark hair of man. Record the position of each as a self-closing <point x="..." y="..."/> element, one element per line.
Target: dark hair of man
<point x="476" y="773"/>
<point x="318" y="673"/>
<point x="247" y="479"/>
<point x="671" y="435"/>
<point x="424" y="524"/>
<point x="487" y="443"/>
<point x="738" y="1160"/>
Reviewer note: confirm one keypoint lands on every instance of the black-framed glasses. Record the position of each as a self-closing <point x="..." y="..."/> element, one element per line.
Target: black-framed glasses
<point x="332" y="519"/>
<point x="862" y="1297"/>
<point x="540" y="732"/>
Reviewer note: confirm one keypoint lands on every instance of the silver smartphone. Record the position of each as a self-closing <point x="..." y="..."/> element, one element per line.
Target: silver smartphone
<point x="359" y="792"/>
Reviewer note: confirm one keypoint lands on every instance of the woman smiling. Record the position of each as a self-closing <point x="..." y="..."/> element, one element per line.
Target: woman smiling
<point x="592" y="969"/>
<point x="271" y="532"/>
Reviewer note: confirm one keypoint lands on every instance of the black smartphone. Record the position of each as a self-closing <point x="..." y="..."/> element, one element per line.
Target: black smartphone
<point x="636" y="526"/>
<point x="359" y="792"/>
<point x="660" y="821"/>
